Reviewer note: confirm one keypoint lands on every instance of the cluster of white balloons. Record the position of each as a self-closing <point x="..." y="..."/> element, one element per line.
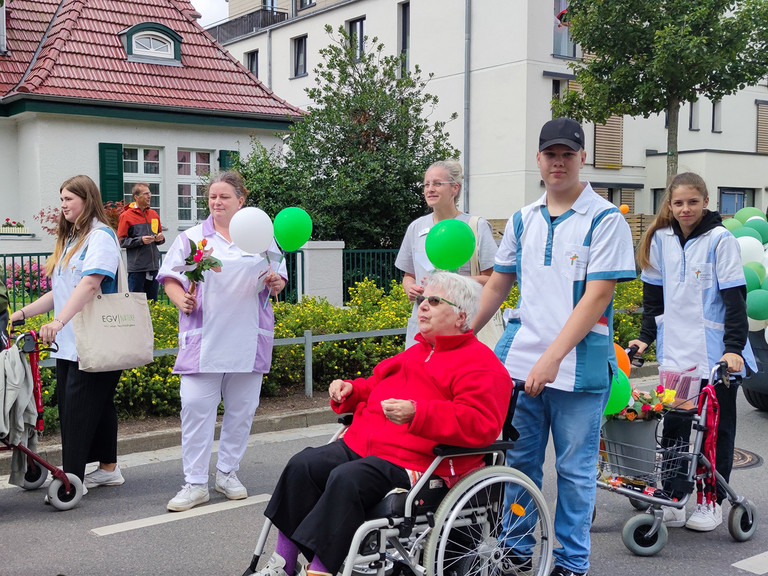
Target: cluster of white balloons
<point x="750" y="228"/>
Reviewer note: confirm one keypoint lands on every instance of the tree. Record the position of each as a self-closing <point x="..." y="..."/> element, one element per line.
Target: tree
<point x="355" y="160"/>
<point x="651" y="56"/>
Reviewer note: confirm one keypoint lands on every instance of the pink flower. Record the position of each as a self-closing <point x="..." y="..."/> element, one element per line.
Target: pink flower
<point x="659" y="389"/>
<point x="646" y="408"/>
<point x="198" y="256"/>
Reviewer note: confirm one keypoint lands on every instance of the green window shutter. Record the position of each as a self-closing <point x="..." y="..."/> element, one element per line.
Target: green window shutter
<point x="111" y="171"/>
<point x="227" y="159"/>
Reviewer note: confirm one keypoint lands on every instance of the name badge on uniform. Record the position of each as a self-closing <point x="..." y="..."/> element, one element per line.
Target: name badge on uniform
<point x="424" y="232"/>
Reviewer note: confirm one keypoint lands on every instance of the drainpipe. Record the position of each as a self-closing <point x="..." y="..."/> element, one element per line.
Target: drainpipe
<point x="467" y="42"/>
<point x="269" y="58"/>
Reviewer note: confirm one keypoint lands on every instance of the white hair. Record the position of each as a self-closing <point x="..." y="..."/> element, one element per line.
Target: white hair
<point x="464" y="292"/>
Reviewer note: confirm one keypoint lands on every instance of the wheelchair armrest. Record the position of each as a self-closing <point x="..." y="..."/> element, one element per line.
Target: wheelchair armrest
<point x="345" y="419"/>
<point x="445" y="450"/>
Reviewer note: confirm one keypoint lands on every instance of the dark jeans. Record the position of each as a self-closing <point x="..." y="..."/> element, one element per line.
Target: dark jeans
<point x="87" y="414"/>
<point x="677" y="430"/>
<point x="322" y="495"/>
<point x="138" y="282"/>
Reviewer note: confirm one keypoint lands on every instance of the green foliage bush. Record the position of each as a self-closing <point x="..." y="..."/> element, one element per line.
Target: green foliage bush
<point x="153" y="390"/>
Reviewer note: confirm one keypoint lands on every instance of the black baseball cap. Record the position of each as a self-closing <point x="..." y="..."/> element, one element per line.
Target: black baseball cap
<point x="561" y="131"/>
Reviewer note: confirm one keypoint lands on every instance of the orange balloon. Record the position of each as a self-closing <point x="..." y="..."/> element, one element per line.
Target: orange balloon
<point x="622" y="358"/>
<point x="624" y="208"/>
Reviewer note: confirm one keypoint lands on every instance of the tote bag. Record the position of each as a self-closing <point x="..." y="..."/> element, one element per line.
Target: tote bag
<point x="114" y="331"/>
<point x="492" y="331"/>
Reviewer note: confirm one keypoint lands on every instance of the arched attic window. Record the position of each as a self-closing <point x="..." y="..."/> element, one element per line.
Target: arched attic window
<point x="152" y="42"/>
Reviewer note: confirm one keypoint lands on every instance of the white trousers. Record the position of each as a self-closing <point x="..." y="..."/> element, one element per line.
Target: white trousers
<point x="200" y="398"/>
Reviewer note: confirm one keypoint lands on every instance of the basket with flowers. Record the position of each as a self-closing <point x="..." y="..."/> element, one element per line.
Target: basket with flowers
<point x="647" y="405"/>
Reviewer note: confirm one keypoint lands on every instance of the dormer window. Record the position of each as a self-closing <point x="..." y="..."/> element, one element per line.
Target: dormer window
<point x="152" y="42"/>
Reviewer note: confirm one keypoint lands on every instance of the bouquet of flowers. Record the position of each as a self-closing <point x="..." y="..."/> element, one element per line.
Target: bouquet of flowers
<point x="649" y="405"/>
<point x="198" y="261"/>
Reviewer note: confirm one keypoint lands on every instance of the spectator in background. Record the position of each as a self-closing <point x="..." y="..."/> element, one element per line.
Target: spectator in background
<point x="140" y="232"/>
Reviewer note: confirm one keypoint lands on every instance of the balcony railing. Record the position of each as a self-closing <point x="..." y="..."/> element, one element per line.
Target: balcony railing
<point x="243" y="25"/>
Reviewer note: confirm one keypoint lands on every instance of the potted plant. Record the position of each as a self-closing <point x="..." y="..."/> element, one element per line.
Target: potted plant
<point x="13" y="227"/>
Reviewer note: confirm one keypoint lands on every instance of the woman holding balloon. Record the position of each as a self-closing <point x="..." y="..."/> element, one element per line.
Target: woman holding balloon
<point x="442" y="185"/>
<point x="694" y="306"/>
<point x="226" y="331"/>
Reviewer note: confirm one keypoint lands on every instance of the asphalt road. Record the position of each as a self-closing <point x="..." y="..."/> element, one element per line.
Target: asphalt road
<point x="127" y="531"/>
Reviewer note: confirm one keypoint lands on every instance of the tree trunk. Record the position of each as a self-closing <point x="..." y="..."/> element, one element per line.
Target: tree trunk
<point x="673" y="120"/>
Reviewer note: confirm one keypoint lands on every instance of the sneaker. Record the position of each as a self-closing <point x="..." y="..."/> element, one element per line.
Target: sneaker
<point x="275" y="567"/>
<point x="188" y="497"/>
<point x="514" y="565"/>
<point x="560" y="571"/>
<point x="705" y="518"/>
<point x="47" y="500"/>
<point x="674" y="517"/>
<point x="101" y="477"/>
<point x="230" y="486"/>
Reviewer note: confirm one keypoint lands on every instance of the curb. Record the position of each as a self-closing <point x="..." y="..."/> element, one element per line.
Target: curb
<point x="171" y="437"/>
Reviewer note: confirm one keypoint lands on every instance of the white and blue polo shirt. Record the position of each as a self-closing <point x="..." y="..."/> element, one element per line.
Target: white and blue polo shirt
<point x="553" y="261"/>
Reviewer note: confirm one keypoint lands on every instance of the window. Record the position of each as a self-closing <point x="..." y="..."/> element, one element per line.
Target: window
<point x="299" y="56"/>
<point x="693" y="118"/>
<point x="150" y="41"/>
<point x="658" y="198"/>
<point x="405" y="34"/>
<point x="252" y="61"/>
<point x="305" y="4"/>
<point x="142" y="165"/>
<point x="563" y="45"/>
<point x="152" y="45"/>
<point x="191" y="165"/>
<point x="734" y="199"/>
<point x="270" y="5"/>
<point x="357" y="37"/>
<point x="717" y="116"/>
<point x="762" y="127"/>
<point x="609" y="143"/>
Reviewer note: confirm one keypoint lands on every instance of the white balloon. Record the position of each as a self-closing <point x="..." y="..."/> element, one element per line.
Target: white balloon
<point x="755" y="325"/>
<point x="764" y="260"/>
<point x="751" y="249"/>
<point x="251" y="230"/>
<point x="766" y="335"/>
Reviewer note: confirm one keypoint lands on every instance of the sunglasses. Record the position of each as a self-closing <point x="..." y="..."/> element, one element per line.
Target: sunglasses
<point x="433" y="300"/>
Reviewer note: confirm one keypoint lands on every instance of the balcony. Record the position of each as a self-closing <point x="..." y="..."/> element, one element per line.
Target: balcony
<point x="247" y="24"/>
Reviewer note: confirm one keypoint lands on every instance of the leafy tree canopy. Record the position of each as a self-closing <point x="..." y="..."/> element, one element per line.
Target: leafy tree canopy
<point x="650" y="56"/>
<point x="355" y="160"/>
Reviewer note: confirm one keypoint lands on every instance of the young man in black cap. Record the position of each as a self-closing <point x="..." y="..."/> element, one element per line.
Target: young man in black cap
<point x="567" y="250"/>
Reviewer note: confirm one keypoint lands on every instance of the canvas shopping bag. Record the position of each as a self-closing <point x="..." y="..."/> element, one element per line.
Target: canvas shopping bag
<point x="492" y="331"/>
<point x="114" y="331"/>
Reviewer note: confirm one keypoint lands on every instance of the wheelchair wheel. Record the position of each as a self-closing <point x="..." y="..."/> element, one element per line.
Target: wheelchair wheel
<point x="477" y="531"/>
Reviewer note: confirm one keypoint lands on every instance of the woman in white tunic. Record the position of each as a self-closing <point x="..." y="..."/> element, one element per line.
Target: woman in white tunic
<point x="442" y="186"/>
<point x="226" y="331"/>
<point x="85" y="259"/>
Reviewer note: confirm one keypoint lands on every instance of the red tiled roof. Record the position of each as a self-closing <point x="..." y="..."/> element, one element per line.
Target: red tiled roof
<point x="72" y="49"/>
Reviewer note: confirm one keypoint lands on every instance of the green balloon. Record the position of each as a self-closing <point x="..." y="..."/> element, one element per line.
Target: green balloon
<point x="758" y="268"/>
<point x="761" y="226"/>
<point x="764" y="284"/>
<point x="732" y="224"/>
<point x="747" y="231"/>
<point x="450" y="244"/>
<point x="757" y="304"/>
<point x="746" y="213"/>
<point x="621" y="392"/>
<point x="293" y="227"/>
<point x="753" y="280"/>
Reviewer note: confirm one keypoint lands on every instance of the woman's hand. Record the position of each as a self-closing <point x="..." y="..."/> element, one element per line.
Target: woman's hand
<point x="411" y="287"/>
<point x="339" y="390"/>
<point x="735" y="362"/>
<point x="48" y="331"/>
<point x="275" y="283"/>
<point x="641" y="346"/>
<point x="398" y="411"/>
<point x="189" y="300"/>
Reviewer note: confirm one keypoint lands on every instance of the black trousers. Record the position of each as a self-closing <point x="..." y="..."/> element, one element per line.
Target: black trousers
<point x="677" y="430"/>
<point x="87" y="414"/>
<point x="323" y="494"/>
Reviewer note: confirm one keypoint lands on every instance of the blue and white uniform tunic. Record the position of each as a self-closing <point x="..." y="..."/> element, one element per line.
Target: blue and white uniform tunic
<point x="690" y="332"/>
<point x="590" y="241"/>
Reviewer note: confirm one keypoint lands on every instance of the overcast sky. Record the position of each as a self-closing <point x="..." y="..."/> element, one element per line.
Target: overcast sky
<point x="212" y="10"/>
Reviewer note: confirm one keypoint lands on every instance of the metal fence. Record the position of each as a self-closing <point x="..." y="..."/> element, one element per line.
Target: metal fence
<point x="376" y="265"/>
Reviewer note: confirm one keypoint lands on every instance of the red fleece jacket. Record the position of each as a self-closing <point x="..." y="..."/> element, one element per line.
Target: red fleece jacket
<point x="461" y="391"/>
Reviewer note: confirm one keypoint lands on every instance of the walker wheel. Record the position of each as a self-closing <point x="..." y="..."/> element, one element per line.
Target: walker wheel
<point x="60" y="498"/>
<point x="635" y="538"/>
<point x="35" y="476"/>
<point x="739" y="524"/>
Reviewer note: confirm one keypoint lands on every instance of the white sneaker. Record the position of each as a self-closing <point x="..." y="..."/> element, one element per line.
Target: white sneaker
<point x="101" y="477"/>
<point x="275" y="567"/>
<point x="705" y="518"/>
<point x="188" y="497"/>
<point x="674" y="517"/>
<point x="230" y="486"/>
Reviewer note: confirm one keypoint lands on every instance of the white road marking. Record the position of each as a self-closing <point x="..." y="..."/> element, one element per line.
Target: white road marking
<point x="175" y="516"/>
<point x="757" y="564"/>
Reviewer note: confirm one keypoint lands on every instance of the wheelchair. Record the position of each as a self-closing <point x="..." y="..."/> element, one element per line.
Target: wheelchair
<point x="469" y="529"/>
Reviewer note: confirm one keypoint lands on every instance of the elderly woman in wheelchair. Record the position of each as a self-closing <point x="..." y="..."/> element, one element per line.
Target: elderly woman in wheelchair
<point x="448" y="389"/>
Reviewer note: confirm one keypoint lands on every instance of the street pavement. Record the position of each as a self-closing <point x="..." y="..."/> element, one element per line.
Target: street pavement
<point x="126" y="529"/>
